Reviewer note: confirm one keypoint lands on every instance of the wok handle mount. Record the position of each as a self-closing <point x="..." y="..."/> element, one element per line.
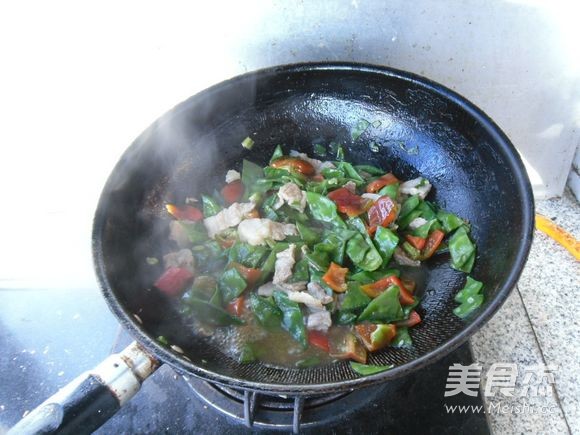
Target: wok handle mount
<point x="92" y="398"/>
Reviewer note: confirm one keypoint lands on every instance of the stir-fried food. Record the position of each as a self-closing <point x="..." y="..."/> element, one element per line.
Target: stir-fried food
<point x="304" y="262"/>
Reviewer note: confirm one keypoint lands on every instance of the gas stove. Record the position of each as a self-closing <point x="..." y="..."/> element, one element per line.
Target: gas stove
<point x="65" y="332"/>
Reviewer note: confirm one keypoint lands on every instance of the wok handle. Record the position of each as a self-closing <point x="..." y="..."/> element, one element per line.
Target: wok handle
<point x="92" y="398"/>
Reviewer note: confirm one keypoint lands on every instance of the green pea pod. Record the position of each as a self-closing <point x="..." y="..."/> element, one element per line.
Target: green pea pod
<point x="247" y="355"/>
<point x="360" y="248"/>
<point x="402" y="339"/>
<point x="392" y="191"/>
<point x="461" y="249"/>
<point x="309" y="235"/>
<point x="409" y="205"/>
<point x="368" y="369"/>
<point x="369" y="169"/>
<point x="270" y="262"/>
<point x="384" y="308"/>
<point x="231" y="285"/>
<point x="405" y="221"/>
<point x="195" y="231"/>
<point x="247" y="255"/>
<point x="355" y="299"/>
<point x="251" y="173"/>
<point x="471" y="288"/>
<point x="449" y="221"/>
<point x="411" y="251"/>
<point x="319" y="150"/>
<point x="300" y="271"/>
<point x="292" y="320"/>
<point x="323" y="209"/>
<point x="266" y="311"/>
<point x="386" y="241"/>
<point x="425" y="229"/>
<point x="427" y="211"/>
<point x="365" y="277"/>
<point x="469" y="306"/>
<point x="209" y="313"/>
<point x="210" y="206"/>
<point x="318" y="260"/>
<point x="351" y="173"/>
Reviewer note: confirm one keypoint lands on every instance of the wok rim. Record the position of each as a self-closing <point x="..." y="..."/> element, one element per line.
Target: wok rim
<point x="176" y="361"/>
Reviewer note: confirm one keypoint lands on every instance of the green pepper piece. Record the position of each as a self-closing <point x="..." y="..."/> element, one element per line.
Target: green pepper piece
<point x="392" y="191"/>
<point x="386" y="241"/>
<point x="332" y="173"/>
<point x="345" y="318"/>
<point x="231" y="285"/>
<point x="292" y="320"/>
<point x="210" y="206"/>
<point x="355" y="299"/>
<point x="382" y="335"/>
<point x="360" y="248"/>
<point x="318" y="260"/>
<point x="270" y="262"/>
<point x="266" y="311"/>
<point x="404" y="222"/>
<point x="425" y="229"/>
<point x="278" y="152"/>
<point x="384" y="308"/>
<point x="300" y="271"/>
<point x="247" y="255"/>
<point x="319" y="150"/>
<point x="368" y="369"/>
<point x="365" y="277"/>
<point x="461" y="249"/>
<point x="449" y="221"/>
<point x="409" y="205"/>
<point x="309" y="235"/>
<point x="402" y="339"/>
<point x="323" y="209"/>
<point x="471" y="288"/>
<point x="469" y="306"/>
<point x="427" y="211"/>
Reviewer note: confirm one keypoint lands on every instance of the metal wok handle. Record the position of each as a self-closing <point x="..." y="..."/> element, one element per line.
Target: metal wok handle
<point x="92" y="398"/>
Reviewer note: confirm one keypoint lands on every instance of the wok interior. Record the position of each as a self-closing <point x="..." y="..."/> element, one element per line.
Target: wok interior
<point x="188" y="151"/>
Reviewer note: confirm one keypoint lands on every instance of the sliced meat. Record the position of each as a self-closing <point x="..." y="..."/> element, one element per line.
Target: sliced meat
<point x="285" y="261"/>
<point x="256" y="231"/>
<point x="305" y="298"/>
<point x="227" y="218"/>
<point x="268" y="288"/>
<point x="294" y="286"/>
<point x="373" y="196"/>
<point x="402" y="259"/>
<point x="316" y="291"/>
<point x="178" y="234"/>
<point x="232" y="175"/>
<point x="182" y="259"/>
<point x="351" y="186"/>
<point x="319" y="321"/>
<point x="291" y="194"/>
<point x="418" y="186"/>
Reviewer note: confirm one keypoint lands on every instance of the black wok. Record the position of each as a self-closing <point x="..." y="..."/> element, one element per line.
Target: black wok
<point x="426" y="129"/>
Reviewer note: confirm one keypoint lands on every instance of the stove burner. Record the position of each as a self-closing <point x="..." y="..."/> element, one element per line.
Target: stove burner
<point x="269" y="411"/>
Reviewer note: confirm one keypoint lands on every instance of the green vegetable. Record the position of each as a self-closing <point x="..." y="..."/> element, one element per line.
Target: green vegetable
<point x="300" y="271"/>
<point x="449" y="221"/>
<point x="210" y="206"/>
<point x="339" y="152"/>
<point x="266" y="311"/>
<point x="392" y="191"/>
<point x="402" y="339"/>
<point x="368" y="369"/>
<point x="410" y="204"/>
<point x="462" y="250"/>
<point x="360" y="248"/>
<point x="425" y="229"/>
<point x="209" y="313"/>
<point x="412" y="252"/>
<point x="470" y="298"/>
<point x="345" y="318"/>
<point x="231" y="285"/>
<point x="355" y="299"/>
<point x="318" y="260"/>
<point x="278" y="152"/>
<point x="152" y="261"/>
<point x="386" y="241"/>
<point x="384" y="308"/>
<point x="308" y="234"/>
<point x="247" y="355"/>
<point x="251" y="173"/>
<point x="359" y="129"/>
<point x="195" y="231"/>
<point x="351" y="173"/>
<point x="292" y="320"/>
<point x="163" y="340"/>
<point x="372" y="170"/>
<point x="365" y="277"/>
<point x="310" y="361"/>
<point x="247" y="255"/>
<point x="319" y="150"/>
<point x="248" y="143"/>
<point x="404" y="222"/>
<point x="270" y="262"/>
<point x="323" y="209"/>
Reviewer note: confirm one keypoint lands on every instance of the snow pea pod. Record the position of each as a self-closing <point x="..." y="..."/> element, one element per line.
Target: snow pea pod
<point x="292" y="320"/>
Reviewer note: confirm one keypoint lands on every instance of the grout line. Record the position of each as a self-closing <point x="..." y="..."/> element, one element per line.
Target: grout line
<point x="556" y="395"/>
